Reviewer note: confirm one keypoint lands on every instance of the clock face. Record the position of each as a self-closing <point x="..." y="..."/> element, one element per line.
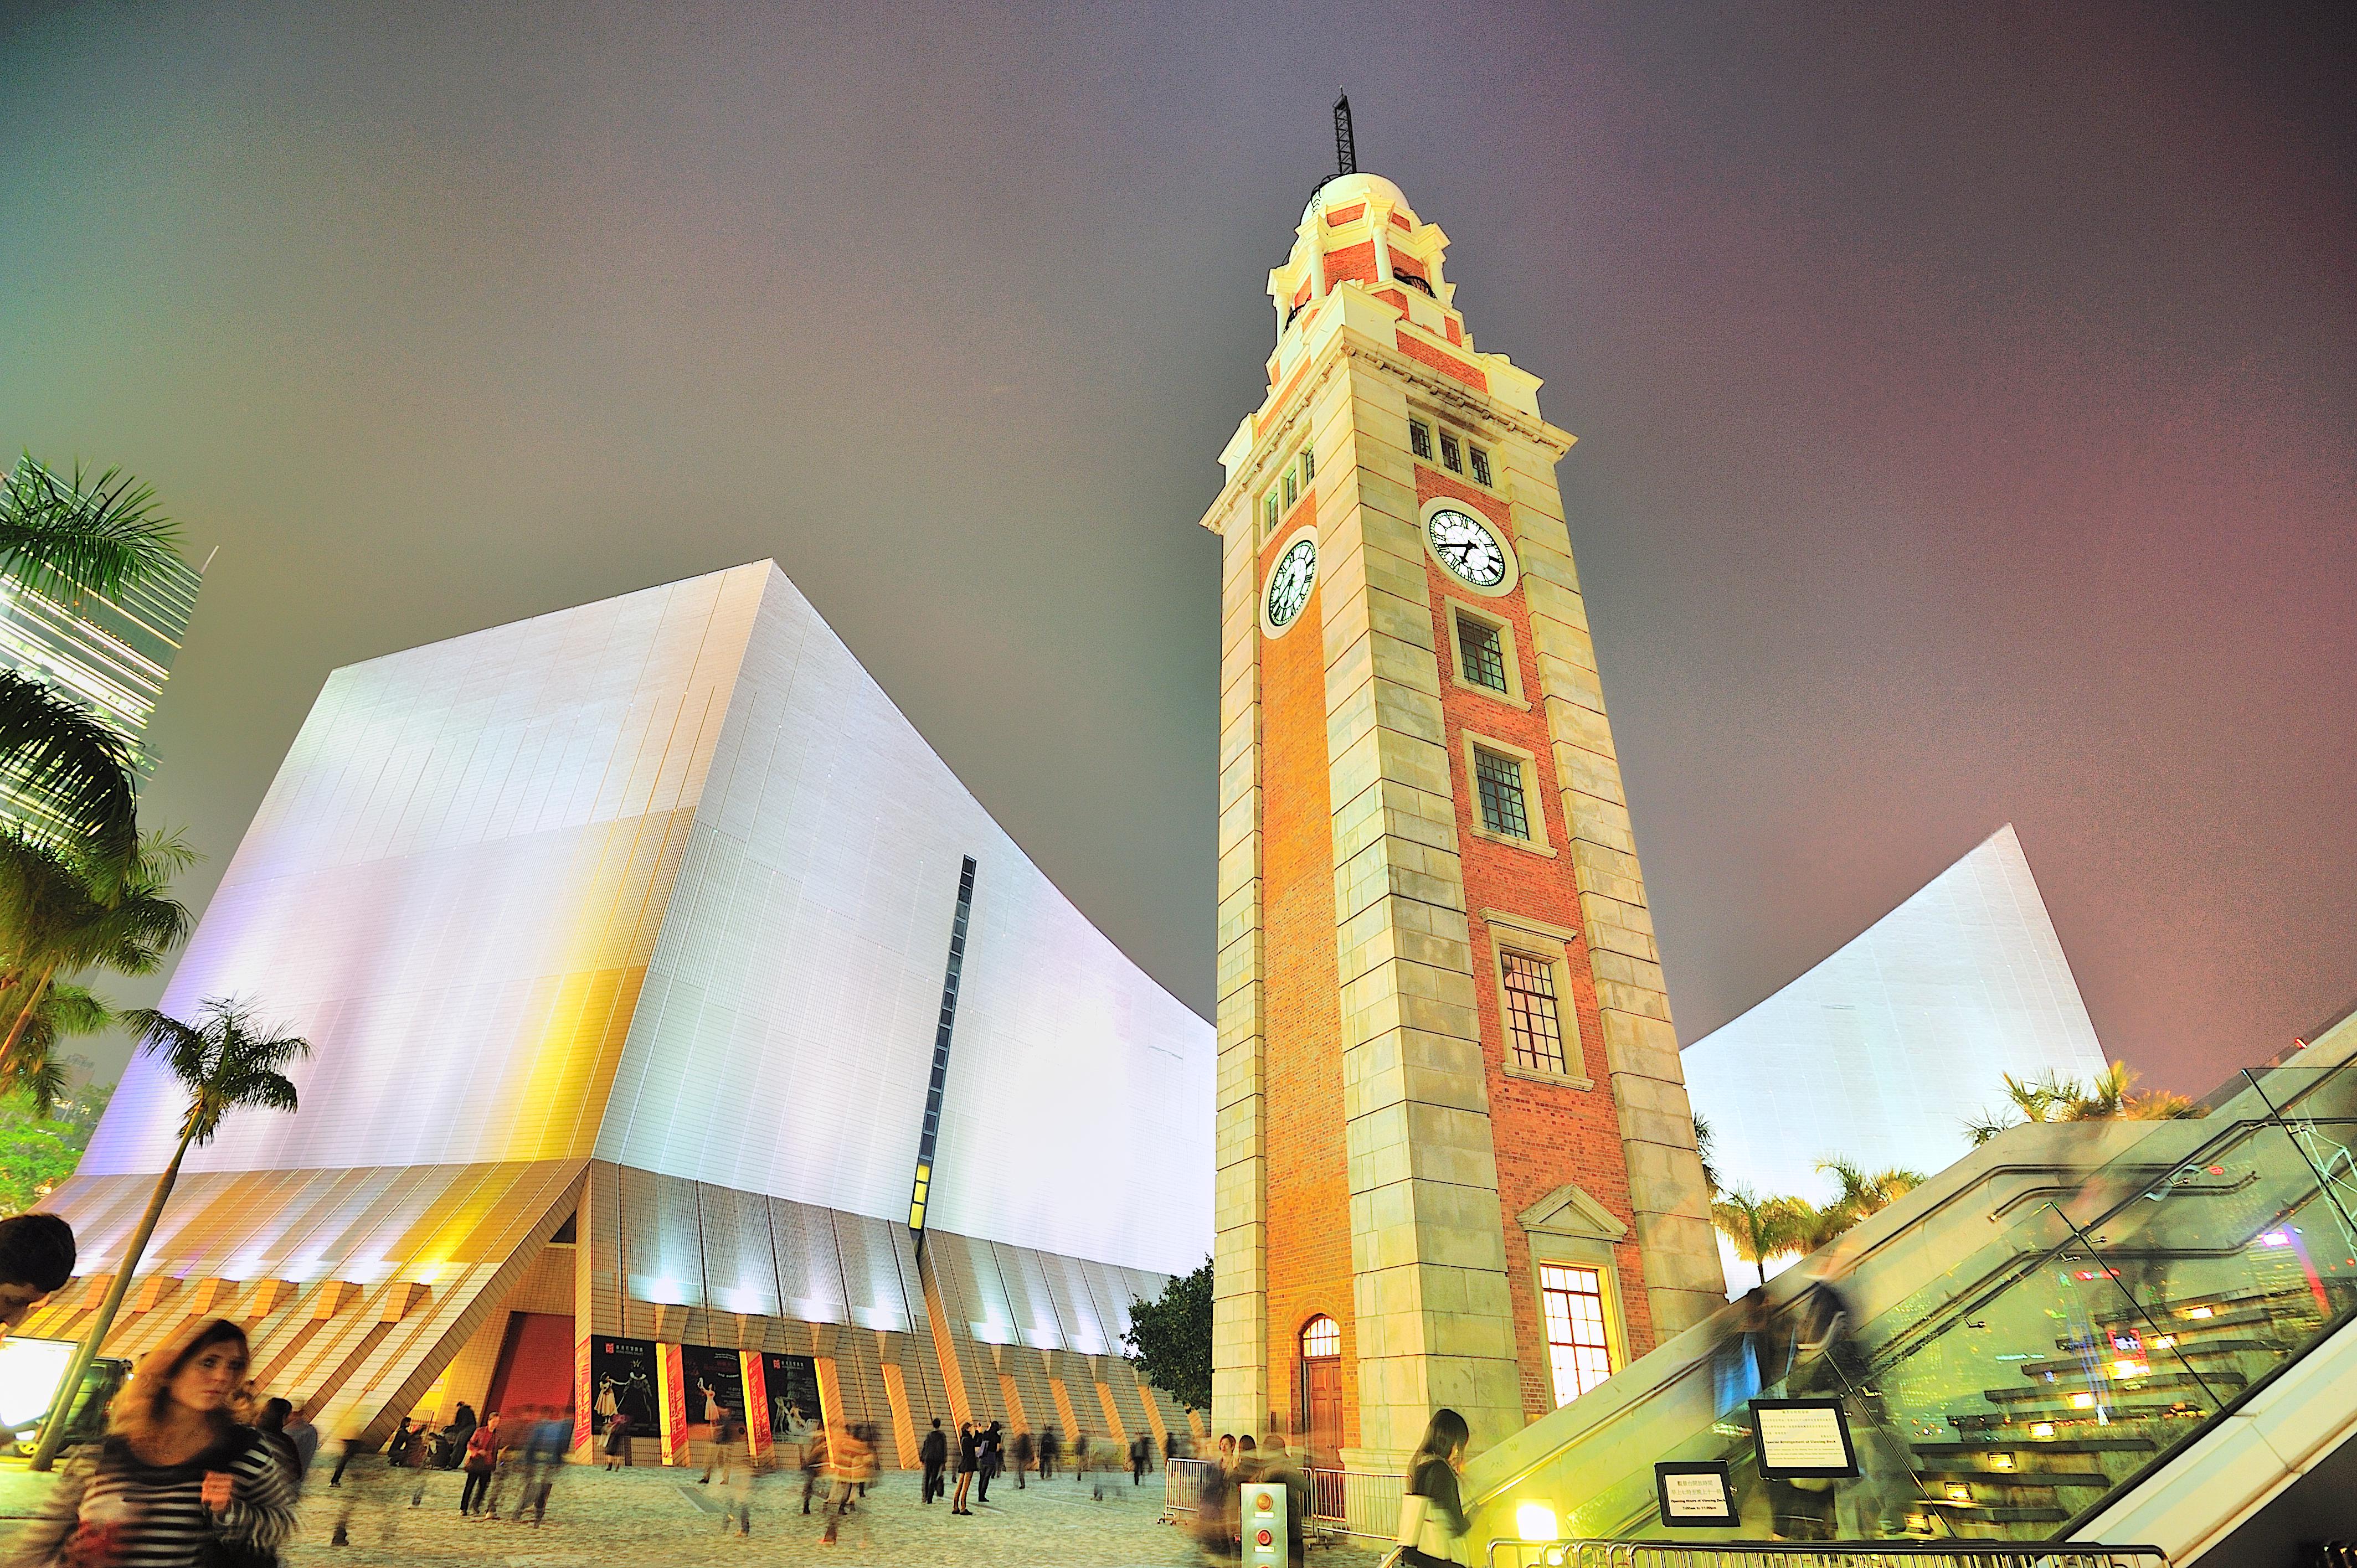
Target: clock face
<point x="1289" y="582"/>
<point x="1468" y="547"/>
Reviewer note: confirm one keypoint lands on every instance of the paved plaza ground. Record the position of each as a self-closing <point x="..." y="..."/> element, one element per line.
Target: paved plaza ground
<point x="656" y="1516"/>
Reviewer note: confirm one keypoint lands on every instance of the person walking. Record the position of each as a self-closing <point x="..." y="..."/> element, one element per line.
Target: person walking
<point x="1050" y="1448"/>
<point x="1022" y="1455"/>
<point x="1431" y="1521"/>
<point x="1080" y="1454"/>
<point x="552" y="1439"/>
<point x="933" y="1454"/>
<point x="1140" y="1455"/>
<point x="1215" y="1527"/>
<point x="617" y="1439"/>
<point x="993" y="1461"/>
<point x="482" y="1458"/>
<point x="179" y="1480"/>
<point x="459" y="1433"/>
<point x="814" y="1465"/>
<point x="968" y="1459"/>
<point x="1277" y="1470"/>
<point x="853" y="1463"/>
<point x="725" y="1438"/>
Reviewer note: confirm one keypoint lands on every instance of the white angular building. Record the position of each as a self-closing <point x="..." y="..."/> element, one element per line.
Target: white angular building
<point x="1883" y="1051"/>
<point x="680" y="1020"/>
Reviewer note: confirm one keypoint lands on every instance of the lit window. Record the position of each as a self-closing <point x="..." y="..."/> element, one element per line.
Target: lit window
<point x="1481" y="653"/>
<point x="1308" y="468"/>
<point x="1419" y="439"/>
<point x="1480" y="465"/>
<point x="1451" y="458"/>
<point x="1533" y="1036"/>
<point x="1499" y="781"/>
<point x="1578" y="1350"/>
<point x="1320" y="1337"/>
<point x="1292" y="487"/>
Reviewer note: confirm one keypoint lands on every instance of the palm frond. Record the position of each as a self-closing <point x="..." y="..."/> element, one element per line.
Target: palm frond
<point x="68" y="757"/>
<point x="63" y="537"/>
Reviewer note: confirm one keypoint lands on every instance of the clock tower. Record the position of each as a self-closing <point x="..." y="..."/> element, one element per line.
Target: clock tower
<point x="1456" y="1161"/>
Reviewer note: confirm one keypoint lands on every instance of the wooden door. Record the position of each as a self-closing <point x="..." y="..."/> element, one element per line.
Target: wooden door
<point x="1321" y="1409"/>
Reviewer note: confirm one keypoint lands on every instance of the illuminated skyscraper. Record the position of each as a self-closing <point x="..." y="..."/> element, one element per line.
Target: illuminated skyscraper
<point x="111" y="655"/>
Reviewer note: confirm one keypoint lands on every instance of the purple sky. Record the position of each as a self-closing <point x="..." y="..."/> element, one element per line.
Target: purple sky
<point x="1968" y="405"/>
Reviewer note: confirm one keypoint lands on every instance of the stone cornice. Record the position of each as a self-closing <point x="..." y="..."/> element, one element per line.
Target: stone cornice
<point x="1446" y="390"/>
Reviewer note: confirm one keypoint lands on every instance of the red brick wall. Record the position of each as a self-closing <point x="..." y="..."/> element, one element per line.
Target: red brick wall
<point x="1442" y="360"/>
<point x="1351" y="261"/>
<point x="1545" y="1133"/>
<point x="1308" y="1195"/>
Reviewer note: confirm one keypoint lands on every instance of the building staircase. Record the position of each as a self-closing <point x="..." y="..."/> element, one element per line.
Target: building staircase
<point x="2131" y="1332"/>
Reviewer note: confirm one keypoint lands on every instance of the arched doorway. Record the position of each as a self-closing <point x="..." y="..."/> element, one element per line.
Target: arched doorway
<point x="1321" y="1391"/>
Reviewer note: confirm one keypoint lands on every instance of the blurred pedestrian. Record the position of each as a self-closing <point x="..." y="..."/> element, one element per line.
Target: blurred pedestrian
<point x="617" y="1439"/>
<point x="1022" y="1455"/>
<point x="1215" y="1527"/>
<point x="992" y="1462"/>
<point x="179" y="1480"/>
<point x="1141" y="1453"/>
<point x="814" y="1465"/>
<point x="853" y="1463"/>
<point x="481" y="1458"/>
<point x="1051" y="1449"/>
<point x="1277" y="1470"/>
<point x="1432" y="1522"/>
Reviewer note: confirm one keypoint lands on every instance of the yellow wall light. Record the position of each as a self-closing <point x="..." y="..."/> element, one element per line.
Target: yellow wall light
<point x="1535" y="1522"/>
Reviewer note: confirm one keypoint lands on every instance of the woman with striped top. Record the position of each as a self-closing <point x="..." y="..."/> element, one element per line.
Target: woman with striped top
<point x="177" y="1472"/>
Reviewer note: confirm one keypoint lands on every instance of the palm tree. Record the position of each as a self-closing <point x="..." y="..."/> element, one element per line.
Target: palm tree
<point x="1864" y="1192"/>
<point x="34" y="1067"/>
<point x="1704" y="1139"/>
<point x="63" y="537"/>
<point x="226" y="1063"/>
<point x="2053" y="1098"/>
<point x="1763" y="1228"/>
<point x="62" y="910"/>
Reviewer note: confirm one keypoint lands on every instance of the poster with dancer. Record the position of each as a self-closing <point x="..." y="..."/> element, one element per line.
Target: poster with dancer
<point x="715" y="1383"/>
<point x="622" y="1378"/>
<point x="791" y="1384"/>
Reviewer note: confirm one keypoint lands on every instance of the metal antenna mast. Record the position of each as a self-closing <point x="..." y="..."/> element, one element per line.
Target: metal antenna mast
<point x="1346" y="156"/>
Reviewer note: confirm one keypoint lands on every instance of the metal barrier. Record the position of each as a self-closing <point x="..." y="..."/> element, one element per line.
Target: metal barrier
<point x="1822" y="1555"/>
<point x="1341" y="1502"/>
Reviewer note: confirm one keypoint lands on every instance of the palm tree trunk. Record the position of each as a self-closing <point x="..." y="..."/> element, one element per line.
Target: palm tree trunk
<point x="25" y="1014"/>
<point x="53" y="1430"/>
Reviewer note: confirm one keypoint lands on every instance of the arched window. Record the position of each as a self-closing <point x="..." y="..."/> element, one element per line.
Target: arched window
<point x="1320" y="1337"/>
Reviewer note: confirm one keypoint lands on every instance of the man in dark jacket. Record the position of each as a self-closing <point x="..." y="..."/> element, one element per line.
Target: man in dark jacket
<point x="934" y="1453"/>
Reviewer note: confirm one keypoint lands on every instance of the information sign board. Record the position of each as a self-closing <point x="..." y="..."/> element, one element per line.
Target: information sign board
<point x="1696" y="1494"/>
<point x="1803" y="1438"/>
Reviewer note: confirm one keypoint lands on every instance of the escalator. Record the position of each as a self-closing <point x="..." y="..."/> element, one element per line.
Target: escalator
<point x="2105" y="1331"/>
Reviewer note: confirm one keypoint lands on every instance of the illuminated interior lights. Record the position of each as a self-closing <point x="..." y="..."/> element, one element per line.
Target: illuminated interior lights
<point x="2082" y="1402"/>
<point x="2199" y="1311"/>
<point x="1535" y="1522"/>
<point x="2000" y="1461"/>
<point x="2041" y="1429"/>
<point x="2128" y="1369"/>
<point x="1960" y="1493"/>
<point x="2164" y="1342"/>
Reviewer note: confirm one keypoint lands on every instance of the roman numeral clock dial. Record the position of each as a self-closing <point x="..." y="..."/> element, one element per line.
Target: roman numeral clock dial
<point x="1467" y="547"/>
<point x="1289" y="582"/>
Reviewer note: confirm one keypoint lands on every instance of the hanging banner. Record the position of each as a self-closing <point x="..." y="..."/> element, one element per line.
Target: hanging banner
<point x="790" y="1385"/>
<point x="674" y="1390"/>
<point x="619" y="1377"/>
<point x="756" y="1405"/>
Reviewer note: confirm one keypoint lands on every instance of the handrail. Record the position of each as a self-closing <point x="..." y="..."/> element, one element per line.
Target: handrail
<point x="1996" y="1278"/>
<point x="1594" y="1553"/>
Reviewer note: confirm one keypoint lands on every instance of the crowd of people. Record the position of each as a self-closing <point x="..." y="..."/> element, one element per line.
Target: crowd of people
<point x="1432" y="1522"/>
<point x="195" y="1471"/>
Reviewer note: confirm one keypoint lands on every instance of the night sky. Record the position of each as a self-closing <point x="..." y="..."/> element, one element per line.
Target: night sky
<point x="1968" y="402"/>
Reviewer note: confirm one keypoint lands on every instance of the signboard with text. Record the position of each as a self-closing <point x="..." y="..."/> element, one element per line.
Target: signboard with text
<point x="1806" y="1438"/>
<point x="1695" y="1494"/>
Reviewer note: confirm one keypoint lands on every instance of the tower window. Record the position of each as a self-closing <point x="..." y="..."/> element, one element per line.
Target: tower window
<point x="1499" y="781"/>
<point x="1292" y="487"/>
<point x="1578" y="1351"/>
<point x="1321" y="1337"/>
<point x="1533" y="1033"/>
<point x="1268" y="511"/>
<point x="1419" y="439"/>
<point x="1451" y="458"/>
<point x="1480" y="465"/>
<point x="1308" y="468"/>
<point x="1480" y="653"/>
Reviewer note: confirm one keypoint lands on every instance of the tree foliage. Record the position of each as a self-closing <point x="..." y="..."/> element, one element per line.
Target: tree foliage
<point x="37" y="1151"/>
<point x="2110" y="1097"/>
<point x="1169" y="1339"/>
